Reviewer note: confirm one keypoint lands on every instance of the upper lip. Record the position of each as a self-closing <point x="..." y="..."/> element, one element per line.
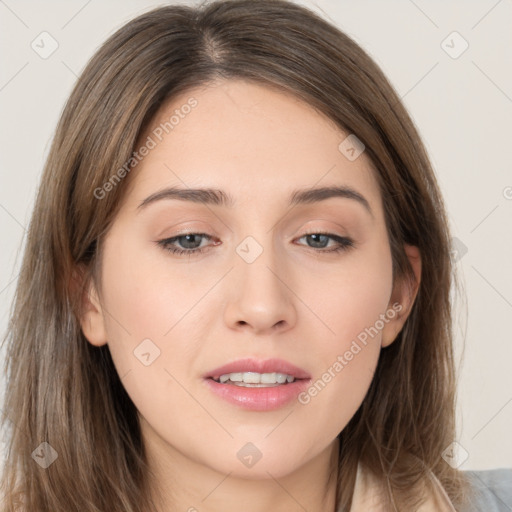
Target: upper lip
<point x="259" y="366"/>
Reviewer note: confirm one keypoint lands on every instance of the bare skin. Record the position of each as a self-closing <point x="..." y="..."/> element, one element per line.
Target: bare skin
<point x="296" y="301"/>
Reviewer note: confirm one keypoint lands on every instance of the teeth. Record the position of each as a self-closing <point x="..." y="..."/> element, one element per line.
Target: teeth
<point x="251" y="377"/>
<point x="254" y="378"/>
<point x="270" y="378"/>
<point x="281" y="378"/>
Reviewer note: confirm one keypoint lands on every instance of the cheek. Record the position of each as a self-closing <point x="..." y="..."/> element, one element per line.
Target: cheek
<point x="138" y="309"/>
<point x="345" y="373"/>
<point x="146" y="318"/>
<point x="354" y="297"/>
<point x="356" y="309"/>
<point x="144" y="296"/>
<point x="154" y="322"/>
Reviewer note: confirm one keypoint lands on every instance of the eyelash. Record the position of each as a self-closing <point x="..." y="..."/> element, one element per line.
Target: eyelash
<point x="345" y="243"/>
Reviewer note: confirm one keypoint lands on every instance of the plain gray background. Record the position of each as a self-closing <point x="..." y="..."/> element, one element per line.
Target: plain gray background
<point x="460" y="98"/>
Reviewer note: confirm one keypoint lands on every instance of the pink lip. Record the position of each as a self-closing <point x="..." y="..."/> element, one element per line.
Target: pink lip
<point x="259" y="399"/>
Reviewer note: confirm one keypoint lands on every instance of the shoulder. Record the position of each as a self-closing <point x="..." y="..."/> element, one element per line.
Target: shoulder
<point x="491" y="490"/>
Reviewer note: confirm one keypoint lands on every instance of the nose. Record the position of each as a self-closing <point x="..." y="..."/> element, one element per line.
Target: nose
<point x="261" y="299"/>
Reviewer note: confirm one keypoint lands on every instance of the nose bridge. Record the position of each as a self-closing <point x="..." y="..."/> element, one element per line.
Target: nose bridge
<point x="262" y="298"/>
<point x="259" y="264"/>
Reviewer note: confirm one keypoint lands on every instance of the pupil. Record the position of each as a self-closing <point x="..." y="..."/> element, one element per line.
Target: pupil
<point x="316" y="239"/>
<point x="188" y="239"/>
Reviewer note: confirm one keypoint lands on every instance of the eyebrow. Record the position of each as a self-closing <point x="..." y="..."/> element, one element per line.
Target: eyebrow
<point x="217" y="197"/>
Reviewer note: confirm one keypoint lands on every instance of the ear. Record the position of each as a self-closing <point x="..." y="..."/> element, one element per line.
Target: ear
<point x="402" y="297"/>
<point x="91" y="311"/>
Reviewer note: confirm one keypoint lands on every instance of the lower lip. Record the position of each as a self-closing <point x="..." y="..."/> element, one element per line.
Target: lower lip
<point x="258" y="399"/>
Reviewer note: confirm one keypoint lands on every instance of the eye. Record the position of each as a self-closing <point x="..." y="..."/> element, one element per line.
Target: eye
<point x="190" y="241"/>
<point x="320" y="241"/>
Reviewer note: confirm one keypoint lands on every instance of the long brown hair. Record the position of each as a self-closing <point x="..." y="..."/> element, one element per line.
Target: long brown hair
<point x="63" y="391"/>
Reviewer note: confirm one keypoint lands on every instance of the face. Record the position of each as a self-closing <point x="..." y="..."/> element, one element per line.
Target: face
<point x="195" y="290"/>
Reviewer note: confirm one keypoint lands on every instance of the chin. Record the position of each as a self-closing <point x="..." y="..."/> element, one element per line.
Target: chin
<point x="261" y="470"/>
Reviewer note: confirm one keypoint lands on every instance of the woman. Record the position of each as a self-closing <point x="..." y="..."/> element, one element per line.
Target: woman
<point x="235" y="291"/>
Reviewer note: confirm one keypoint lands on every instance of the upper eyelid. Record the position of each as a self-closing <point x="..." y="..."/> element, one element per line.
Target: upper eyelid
<point x="207" y="235"/>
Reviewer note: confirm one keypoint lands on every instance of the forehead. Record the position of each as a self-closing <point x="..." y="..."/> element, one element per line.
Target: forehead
<point x="254" y="141"/>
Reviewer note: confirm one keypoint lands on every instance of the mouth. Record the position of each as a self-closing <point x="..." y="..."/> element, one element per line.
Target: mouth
<point x="266" y="372"/>
<point x="255" y="380"/>
<point x="258" y="385"/>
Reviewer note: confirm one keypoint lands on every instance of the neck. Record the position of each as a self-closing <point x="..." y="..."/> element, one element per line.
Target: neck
<point x="180" y="483"/>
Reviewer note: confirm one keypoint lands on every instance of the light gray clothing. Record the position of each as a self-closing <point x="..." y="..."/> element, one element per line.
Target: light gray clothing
<point x="493" y="490"/>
